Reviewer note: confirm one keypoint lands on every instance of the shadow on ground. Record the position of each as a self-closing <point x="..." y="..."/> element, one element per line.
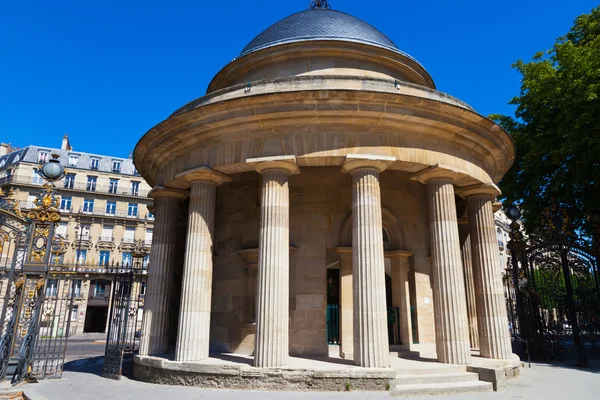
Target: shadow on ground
<point x="92" y="365"/>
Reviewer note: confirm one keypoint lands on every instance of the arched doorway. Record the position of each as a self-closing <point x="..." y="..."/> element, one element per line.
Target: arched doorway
<point x="399" y="281"/>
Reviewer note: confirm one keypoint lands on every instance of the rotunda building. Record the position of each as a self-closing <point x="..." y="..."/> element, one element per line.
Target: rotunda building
<point x="323" y="193"/>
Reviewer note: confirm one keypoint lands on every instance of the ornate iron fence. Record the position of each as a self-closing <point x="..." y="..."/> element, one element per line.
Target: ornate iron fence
<point x="553" y="299"/>
<point x="125" y="321"/>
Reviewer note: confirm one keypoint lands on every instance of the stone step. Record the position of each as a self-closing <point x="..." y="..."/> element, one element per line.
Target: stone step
<point x="425" y="389"/>
<point x="436" y="378"/>
<point x="439" y="369"/>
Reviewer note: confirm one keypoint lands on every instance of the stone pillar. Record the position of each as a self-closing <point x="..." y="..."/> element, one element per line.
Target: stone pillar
<point x="450" y="306"/>
<point x="273" y="298"/>
<point x="346" y="303"/>
<point x="465" y="249"/>
<point x="371" y="347"/>
<point x="194" y="315"/>
<point x="400" y="260"/>
<point x="492" y="319"/>
<point x="159" y="292"/>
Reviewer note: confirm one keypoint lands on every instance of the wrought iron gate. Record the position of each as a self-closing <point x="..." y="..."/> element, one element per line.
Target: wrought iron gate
<point x="553" y="298"/>
<point x="36" y="297"/>
<point x="125" y="315"/>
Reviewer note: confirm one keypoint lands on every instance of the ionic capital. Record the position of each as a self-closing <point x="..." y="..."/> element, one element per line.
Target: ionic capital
<point x="437" y="172"/>
<point x="485" y="189"/>
<point x="203" y="174"/>
<point x="284" y="163"/>
<point x="357" y="161"/>
<point x="161" y="192"/>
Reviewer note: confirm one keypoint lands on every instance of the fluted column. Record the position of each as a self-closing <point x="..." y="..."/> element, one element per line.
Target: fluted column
<point x="371" y="347"/>
<point x="465" y="249"/>
<point x="159" y="291"/>
<point x="492" y="319"/>
<point x="273" y="298"/>
<point x="194" y="315"/>
<point x="450" y="305"/>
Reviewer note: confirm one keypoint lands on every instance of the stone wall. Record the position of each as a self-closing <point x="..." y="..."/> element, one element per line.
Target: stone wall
<point x="320" y="205"/>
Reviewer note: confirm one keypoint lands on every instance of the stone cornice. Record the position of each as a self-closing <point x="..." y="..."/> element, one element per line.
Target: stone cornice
<point x="411" y="126"/>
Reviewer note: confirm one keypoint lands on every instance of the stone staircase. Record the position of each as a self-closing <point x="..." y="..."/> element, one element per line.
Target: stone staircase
<point x="418" y="378"/>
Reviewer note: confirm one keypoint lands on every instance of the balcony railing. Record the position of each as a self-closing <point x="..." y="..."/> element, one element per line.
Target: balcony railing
<point x="106" y="239"/>
<point x="108" y="268"/>
<point x="80" y="186"/>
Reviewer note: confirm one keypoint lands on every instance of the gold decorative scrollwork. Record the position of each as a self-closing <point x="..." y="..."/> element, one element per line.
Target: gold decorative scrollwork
<point x="47" y="205"/>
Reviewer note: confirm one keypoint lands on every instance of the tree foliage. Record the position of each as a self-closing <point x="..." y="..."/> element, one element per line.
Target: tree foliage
<point x="556" y="128"/>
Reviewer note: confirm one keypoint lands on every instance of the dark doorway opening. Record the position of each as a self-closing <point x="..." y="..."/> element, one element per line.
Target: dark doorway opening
<point x="95" y="319"/>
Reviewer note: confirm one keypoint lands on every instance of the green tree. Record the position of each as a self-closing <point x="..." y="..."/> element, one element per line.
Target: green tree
<point x="556" y="128"/>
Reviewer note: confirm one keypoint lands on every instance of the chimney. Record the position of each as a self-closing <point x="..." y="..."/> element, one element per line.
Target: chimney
<point x="66" y="145"/>
<point x="5" y="149"/>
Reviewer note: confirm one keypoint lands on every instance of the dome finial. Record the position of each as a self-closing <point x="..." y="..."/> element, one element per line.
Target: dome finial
<point x="315" y="4"/>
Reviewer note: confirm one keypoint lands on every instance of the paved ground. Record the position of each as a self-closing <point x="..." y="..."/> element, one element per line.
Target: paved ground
<point x="81" y="380"/>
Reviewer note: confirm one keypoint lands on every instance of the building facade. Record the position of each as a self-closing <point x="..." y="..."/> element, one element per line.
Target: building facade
<point x="104" y="209"/>
<point x="323" y="151"/>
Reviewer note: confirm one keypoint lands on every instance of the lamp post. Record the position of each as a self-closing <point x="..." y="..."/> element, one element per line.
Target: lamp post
<point x="516" y="246"/>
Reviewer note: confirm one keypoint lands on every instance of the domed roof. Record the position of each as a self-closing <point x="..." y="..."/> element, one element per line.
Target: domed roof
<point x="319" y="24"/>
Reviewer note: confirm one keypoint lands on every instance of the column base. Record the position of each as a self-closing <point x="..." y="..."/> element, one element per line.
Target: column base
<point x="347" y="355"/>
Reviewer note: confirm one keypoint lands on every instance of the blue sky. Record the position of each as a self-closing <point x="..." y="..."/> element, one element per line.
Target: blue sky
<point x="107" y="71"/>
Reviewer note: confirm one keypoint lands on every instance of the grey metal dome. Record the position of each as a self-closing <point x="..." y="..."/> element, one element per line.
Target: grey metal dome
<point x="320" y="24"/>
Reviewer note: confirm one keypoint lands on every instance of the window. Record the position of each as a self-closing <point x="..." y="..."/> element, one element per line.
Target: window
<point x="136" y="172"/>
<point x="31" y="200"/>
<point x="113" y="186"/>
<point x="37" y="178"/>
<point x="74" y="312"/>
<point x="150" y="216"/>
<point x="127" y="258"/>
<point x="91" y="183"/>
<point x="81" y="256"/>
<point x="116" y="166"/>
<point x="107" y="233"/>
<point x="148" y="238"/>
<point x="111" y="207"/>
<point x="85" y="231"/>
<point x="52" y="287"/>
<point x="146" y="261"/>
<point x="73" y="160"/>
<point x="76" y="288"/>
<point x="132" y="210"/>
<point x="142" y="289"/>
<point x="69" y="181"/>
<point x="104" y="257"/>
<point x="94" y="164"/>
<point x="129" y="235"/>
<point x="9" y="173"/>
<point x="99" y="289"/>
<point x="65" y="203"/>
<point x="61" y="229"/>
<point x="42" y="156"/>
<point x="88" y="205"/>
<point x="135" y="188"/>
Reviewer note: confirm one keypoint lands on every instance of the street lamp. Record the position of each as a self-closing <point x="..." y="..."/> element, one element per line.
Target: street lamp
<point x="513" y="212"/>
<point x="52" y="170"/>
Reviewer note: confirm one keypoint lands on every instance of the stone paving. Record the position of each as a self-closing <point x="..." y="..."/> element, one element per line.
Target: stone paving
<point x="547" y="382"/>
